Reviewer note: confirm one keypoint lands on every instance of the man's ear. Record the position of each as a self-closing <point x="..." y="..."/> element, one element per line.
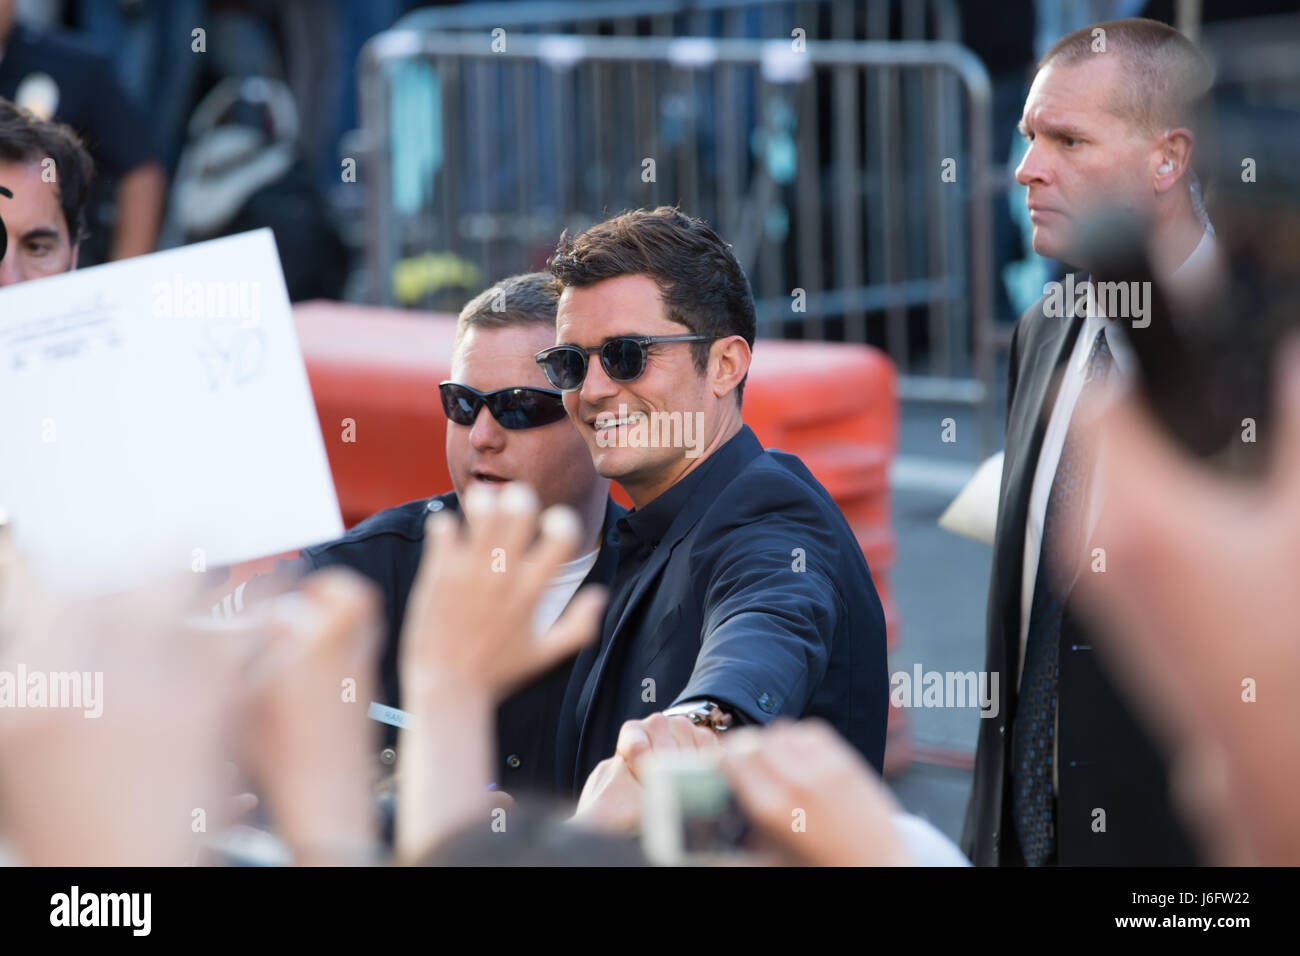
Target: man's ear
<point x="1174" y="158"/>
<point x="729" y="360"/>
<point x="76" y="248"/>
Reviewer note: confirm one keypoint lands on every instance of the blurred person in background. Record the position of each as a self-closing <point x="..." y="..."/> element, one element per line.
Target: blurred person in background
<point x="67" y="78"/>
<point x="151" y="46"/>
<point x="1107" y="124"/>
<point x="741" y="593"/>
<point x="504" y="425"/>
<point x="245" y="100"/>
<point x="43" y="216"/>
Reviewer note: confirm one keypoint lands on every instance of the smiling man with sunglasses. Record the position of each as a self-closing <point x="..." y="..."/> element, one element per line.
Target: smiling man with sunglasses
<point x="504" y="425"/>
<point x="741" y="594"/>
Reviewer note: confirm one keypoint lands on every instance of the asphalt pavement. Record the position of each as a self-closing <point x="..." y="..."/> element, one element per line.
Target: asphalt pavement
<point x="940" y="582"/>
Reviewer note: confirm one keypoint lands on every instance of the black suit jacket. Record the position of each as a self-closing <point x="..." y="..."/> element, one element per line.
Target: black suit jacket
<point x="387" y="548"/>
<point x="1106" y="761"/>
<point x="719" y="611"/>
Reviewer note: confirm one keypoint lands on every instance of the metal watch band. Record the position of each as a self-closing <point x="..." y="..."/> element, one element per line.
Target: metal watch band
<point x="707" y="714"/>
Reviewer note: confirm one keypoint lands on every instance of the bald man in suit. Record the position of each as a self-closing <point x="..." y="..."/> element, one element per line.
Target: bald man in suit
<point x="1066" y="775"/>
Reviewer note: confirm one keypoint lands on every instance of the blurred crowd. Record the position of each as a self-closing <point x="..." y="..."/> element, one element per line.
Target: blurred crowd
<point x="204" y="715"/>
<point x="516" y="619"/>
<point x="212" y="721"/>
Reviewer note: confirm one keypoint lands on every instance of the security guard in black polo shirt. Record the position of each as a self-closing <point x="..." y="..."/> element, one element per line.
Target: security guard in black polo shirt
<point x="504" y="424"/>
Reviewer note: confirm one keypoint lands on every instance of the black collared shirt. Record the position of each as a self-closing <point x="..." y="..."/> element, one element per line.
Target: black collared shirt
<point x="755" y="595"/>
<point x="638" y="533"/>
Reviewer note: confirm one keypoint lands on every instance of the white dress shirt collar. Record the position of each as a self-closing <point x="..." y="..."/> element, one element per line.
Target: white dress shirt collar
<point x="1116" y="333"/>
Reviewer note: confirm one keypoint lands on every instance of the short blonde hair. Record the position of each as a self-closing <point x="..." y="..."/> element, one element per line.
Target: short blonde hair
<point x="524" y="299"/>
<point x="1165" y="74"/>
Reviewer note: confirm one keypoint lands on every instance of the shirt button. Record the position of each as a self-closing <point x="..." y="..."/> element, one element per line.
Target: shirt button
<point x="1002" y="731"/>
<point x="766" y="703"/>
<point x="513" y="762"/>
<point x="388" y="756"/>
<point x="435" y="505"/>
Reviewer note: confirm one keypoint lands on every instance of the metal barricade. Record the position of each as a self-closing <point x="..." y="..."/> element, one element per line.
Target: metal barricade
<point x="827" y="19"/>
<point x="852" y="185"/>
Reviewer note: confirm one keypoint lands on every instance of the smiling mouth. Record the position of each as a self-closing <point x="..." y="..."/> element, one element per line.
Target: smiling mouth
<point x="487" y="476"/>
<point x="604" y="423"/>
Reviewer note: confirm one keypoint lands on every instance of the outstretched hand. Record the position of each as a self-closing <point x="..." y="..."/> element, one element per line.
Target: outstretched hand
<point x="470" y="637"/>
<point x="469" y="623"/>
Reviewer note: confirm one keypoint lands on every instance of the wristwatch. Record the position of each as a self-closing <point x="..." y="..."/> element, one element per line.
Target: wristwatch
<point x="705" y="713"/>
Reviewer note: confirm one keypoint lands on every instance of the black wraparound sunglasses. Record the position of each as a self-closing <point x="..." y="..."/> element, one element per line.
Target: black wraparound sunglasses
<point x="513" y="408"/>
<point x="623" y="358"/>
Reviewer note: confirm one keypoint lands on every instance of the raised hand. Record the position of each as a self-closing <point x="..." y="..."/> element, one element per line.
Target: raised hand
<point x="470" y="618"/>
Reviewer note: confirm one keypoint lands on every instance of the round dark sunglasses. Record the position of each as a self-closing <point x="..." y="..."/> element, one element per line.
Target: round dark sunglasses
<point x="623" y="358"/>
<point x="513" y="408"/>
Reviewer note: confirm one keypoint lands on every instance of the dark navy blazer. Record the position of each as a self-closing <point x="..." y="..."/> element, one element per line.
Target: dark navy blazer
<point x="757" y="596"/>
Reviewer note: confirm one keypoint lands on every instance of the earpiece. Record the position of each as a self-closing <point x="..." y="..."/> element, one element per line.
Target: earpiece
<point x="1169" y="164"/>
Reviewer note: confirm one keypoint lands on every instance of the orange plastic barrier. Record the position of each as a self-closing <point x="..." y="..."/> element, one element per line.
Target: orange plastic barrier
<point x="374" y="373"/>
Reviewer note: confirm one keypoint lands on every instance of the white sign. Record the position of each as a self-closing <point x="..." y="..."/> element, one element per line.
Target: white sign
<point x="155" y="416"/>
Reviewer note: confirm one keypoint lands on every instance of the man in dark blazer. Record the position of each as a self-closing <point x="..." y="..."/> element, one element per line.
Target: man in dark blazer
<point x="1066" y="775"/>
<point x="741" y="594"/>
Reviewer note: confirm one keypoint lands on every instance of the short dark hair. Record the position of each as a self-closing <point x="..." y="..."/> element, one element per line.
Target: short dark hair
<point x="1166" y="74"/>
<point x="25" y="138"/>
<point x="524" y="299"/>
<point x="702" y="285"/>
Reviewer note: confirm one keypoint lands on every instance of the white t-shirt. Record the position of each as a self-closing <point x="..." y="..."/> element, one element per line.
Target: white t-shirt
<point x="561" y="590"/>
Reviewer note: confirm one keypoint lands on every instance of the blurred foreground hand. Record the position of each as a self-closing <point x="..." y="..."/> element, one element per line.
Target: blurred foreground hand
<point x="469" y="624"/>
<point x="467" y="641"/>
<point x="809" y="795"/>
<point x="612" y="795"/>
<point x="308" y="740"/>
<point x="134" y="770"/>
<point x="119" y="760"/>
<point x="1199" y="612"/>
<point x="813" y="796"/>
